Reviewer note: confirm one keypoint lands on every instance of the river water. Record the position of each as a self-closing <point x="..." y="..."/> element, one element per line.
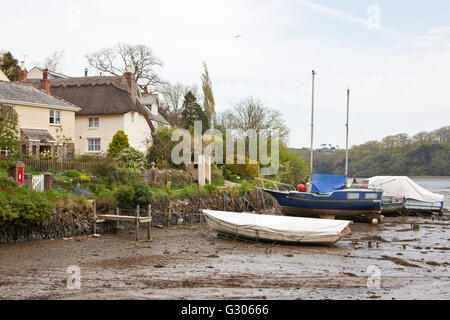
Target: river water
<point x="439" y="185"/>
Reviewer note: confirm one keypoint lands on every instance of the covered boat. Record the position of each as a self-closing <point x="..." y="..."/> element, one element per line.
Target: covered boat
<point x="270" y="228"/>
<point x="329" y="197"/>
<point x="401" y="194"/>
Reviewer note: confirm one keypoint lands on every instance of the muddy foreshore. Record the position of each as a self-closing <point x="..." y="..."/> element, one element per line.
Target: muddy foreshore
<point x="190" y="262"/>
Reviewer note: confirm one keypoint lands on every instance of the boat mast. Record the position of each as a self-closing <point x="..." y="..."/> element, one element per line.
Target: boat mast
<point x="346" y="125"/>
<point x="312" y="122"/>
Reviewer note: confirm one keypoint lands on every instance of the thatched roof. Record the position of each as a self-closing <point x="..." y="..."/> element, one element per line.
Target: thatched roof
<point x="98" y="95"/>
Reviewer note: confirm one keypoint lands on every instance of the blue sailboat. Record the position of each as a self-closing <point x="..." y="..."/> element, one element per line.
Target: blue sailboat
<point x="326" y="196"/>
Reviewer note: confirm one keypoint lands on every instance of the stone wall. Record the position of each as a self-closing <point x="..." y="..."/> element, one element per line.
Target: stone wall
<point x="65" y="224"/>
<point x="61" y="225"/>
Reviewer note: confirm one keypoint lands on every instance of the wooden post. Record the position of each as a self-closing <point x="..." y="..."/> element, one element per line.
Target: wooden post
<point x="223" y="198"/>
<point x="169" y="215"/>
<point x="137" y="223"/>
<point x="95" y="216"/>
<point x="117" y="222"/>
<point x="149" y="223"/>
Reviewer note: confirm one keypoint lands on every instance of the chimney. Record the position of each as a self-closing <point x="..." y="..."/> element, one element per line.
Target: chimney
<point x="85" y="72"/>
<point x="22" y="72"/>
<point x="129" y="75"/>
<point x="45" y="83"/>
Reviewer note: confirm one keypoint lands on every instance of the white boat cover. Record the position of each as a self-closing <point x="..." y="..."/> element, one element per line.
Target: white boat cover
<point x="402" y="186"/>
<point x="288" y="228"/>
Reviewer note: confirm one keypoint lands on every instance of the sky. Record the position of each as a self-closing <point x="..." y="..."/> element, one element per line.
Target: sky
<point x="393" y="55"/>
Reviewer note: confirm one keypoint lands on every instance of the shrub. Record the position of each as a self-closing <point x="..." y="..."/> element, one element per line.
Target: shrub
<point x="216" y="176"/>
<point x="161" y="150"/>
<point x="142" y="194"/>
<point x="6" y="212"/>
<point x="178" y="178"/>
<point x="125" y="197"/>
<point x="131" y="158"/>
<point x="7" y="181"/>
<point x="210" y="188"/>
<point x="32" y="207"/>
<point x="7" y="165"/>
<point x="71" y="174"/>
<point x="136" y="193"/>
<point x="104" y="166"/>
<point x="293" y="169"/>
<point x="106" y="201"/>
<point x="246" y="169"/>
<point x="123" y="176"/>
<point x="119" y="142"/>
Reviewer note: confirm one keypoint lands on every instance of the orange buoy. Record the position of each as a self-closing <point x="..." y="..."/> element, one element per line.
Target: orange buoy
<point x="301" y="188"/>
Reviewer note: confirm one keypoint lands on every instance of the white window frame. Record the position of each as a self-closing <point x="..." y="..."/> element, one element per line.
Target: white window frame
<point x="93" y="122"/>
<point x="55" y="115"/>
<point x="370" y="196"/>
<point x="99" y="145"/>
<point x="353" y="195"/>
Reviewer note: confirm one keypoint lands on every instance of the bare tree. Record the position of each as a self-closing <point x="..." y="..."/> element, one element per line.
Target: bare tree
<point x="173" y="95"/>
<point x="250" y="113"/>
<point x="140" y="57"/>
<point x="53" y="62"/>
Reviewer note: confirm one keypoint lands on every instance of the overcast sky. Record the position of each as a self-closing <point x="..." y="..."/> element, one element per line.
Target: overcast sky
<point x="394" y="55"/>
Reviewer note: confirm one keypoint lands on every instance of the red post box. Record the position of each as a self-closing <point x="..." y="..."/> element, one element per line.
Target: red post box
<point x="20" y="176"/>
<point x="20" y="170"/>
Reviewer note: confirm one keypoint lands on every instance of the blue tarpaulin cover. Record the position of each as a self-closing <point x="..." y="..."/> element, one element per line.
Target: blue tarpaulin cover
<point x="322" y="183"/>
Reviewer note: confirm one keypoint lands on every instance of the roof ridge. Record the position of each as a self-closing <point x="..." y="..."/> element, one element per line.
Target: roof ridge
<point x="32" y="85"/>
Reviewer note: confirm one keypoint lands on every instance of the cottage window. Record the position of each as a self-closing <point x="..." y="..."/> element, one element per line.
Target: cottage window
<point x="55" y="117"/>
<point x="93" y="122"/>
<point x="94" y="145"/>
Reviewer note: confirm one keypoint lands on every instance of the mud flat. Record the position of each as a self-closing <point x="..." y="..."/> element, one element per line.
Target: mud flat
<point x="190" y="262"/>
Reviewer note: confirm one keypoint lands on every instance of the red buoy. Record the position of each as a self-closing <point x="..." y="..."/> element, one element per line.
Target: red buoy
<point x="301" y="188"/>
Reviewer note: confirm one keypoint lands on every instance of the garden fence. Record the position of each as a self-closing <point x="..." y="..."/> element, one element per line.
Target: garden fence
<point x="47" y="165"/>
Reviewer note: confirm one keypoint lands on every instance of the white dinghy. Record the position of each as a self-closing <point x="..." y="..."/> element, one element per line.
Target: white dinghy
<point x="270" y="228"/>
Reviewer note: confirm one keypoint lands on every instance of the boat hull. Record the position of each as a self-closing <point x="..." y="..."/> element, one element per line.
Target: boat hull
<point x="264" y="233"/>
<point x="411" y="206"/>
<point x="341" y="203"/>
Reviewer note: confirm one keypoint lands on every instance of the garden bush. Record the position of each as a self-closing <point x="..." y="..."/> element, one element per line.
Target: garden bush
<point x="119" y="142"/>
<point x="106" y="201"/>
<point x="131" y="158"/>
<point x="31" y="207"/>
<point x="71" y="173"/>
<point x="6" y="182"/>
<point x="125" y="197"/>
<point x="245" y="169"/>
<point x="142" y="194"/>
<point x="216" y="176"/>
<point x="123" y="176"/>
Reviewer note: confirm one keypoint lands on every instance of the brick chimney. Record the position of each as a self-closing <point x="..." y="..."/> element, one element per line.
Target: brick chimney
<point x="22" y="72"/>
<point x="45" y="83"/>
<point x="129" y="75"/>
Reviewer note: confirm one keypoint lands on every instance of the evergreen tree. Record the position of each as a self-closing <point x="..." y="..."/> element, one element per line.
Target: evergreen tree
<point x="118" y="143"/>
<point x="9" y="66"/>
<point x="208" y="97"/>
<point x="192" y="111"/>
